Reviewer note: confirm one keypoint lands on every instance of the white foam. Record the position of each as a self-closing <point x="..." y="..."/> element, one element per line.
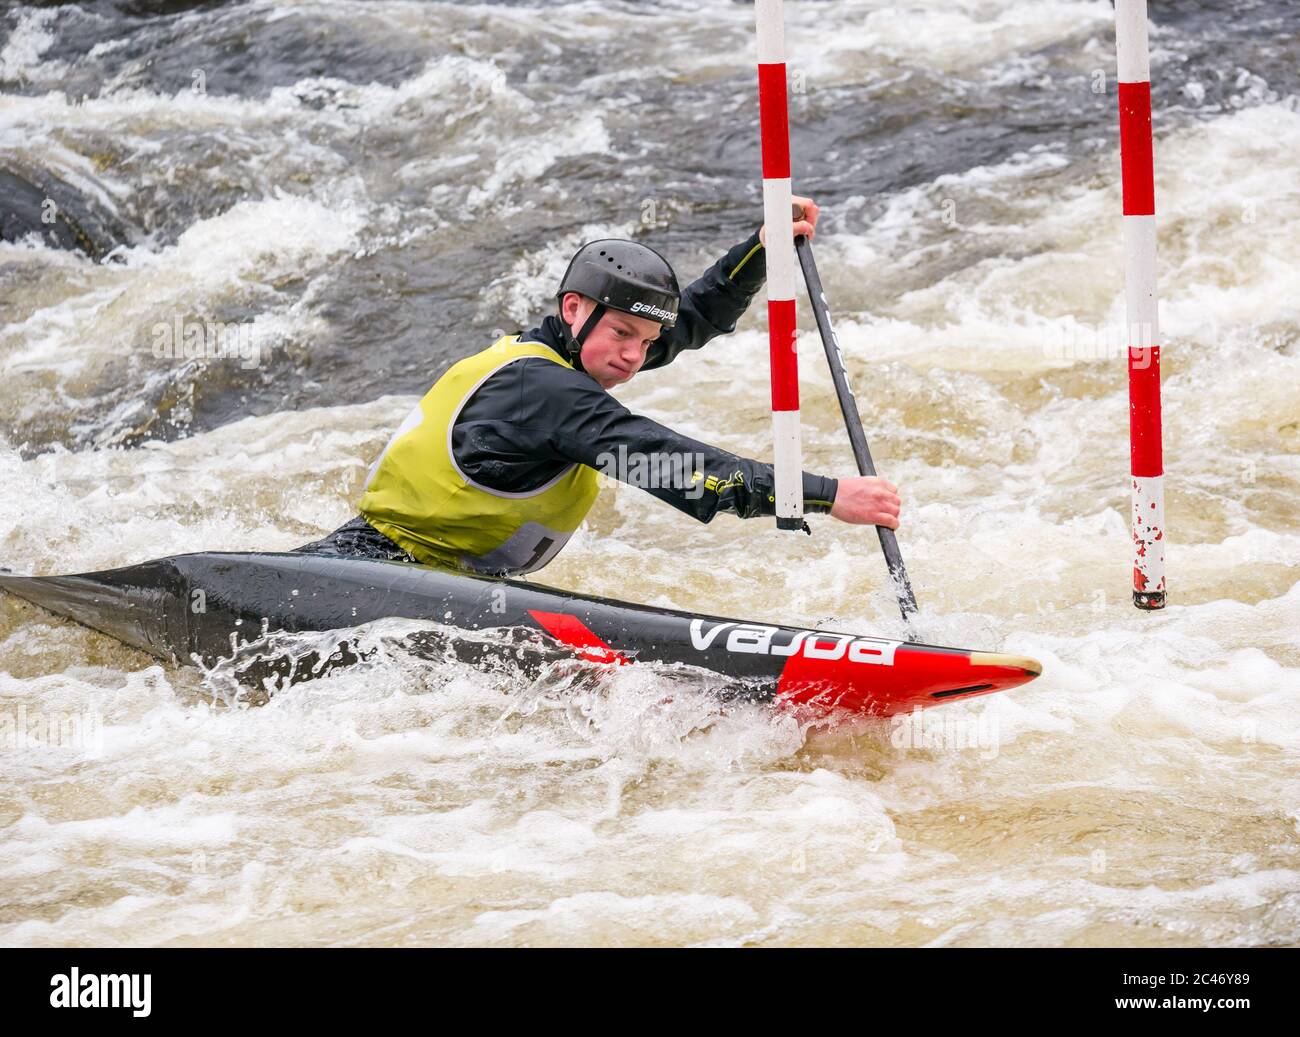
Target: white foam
<point x="28" y="40"/>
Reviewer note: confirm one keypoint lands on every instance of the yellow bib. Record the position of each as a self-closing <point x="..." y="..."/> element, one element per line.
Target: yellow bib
<point x="418" y="497"/>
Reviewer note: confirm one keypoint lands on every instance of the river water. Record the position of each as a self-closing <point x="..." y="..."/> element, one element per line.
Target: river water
<point x="380" y="188"/>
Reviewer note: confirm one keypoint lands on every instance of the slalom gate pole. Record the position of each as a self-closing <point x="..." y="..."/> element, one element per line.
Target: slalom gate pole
<point x="1143" y="332"/>
<point x="774" y="130"/>
<point x="853" y="422"/>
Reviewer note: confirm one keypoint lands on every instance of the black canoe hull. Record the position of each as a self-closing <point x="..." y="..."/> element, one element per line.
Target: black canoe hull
<point x="200" y="608"/>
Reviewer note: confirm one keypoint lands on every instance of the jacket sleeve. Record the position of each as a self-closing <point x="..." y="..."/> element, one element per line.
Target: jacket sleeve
<point x="583" y="423"/>
<point x="713" y="303"/>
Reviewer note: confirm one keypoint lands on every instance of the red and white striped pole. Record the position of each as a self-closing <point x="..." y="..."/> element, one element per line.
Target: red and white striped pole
<point x="1147" y="465"/>
<point x="774" y="128"/>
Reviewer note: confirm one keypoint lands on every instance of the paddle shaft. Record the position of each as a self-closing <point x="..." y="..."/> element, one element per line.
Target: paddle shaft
<point x="852" y="420"/>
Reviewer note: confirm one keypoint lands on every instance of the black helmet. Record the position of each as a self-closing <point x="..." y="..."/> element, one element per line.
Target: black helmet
<point x="619" y="275"/>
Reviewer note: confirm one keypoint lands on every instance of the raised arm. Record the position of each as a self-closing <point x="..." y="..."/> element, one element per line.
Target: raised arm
<point x="713" y="303"/>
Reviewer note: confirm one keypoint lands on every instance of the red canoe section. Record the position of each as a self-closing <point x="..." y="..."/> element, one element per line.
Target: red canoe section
<point x="921" y="676"/>
<point x="905" y="678"/>
<point x="572" y="631"/>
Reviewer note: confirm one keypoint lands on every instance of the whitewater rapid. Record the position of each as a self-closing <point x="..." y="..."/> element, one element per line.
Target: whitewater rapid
<point x="375" y="222"/>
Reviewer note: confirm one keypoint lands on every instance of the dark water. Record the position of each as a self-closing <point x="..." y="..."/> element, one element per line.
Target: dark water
<point x="599" y="110"/>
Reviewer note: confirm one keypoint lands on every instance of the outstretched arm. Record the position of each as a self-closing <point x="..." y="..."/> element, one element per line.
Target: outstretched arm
<point x="700" y="479"/>
<point x="534" y="416"/>
<point x="694" y="477"/>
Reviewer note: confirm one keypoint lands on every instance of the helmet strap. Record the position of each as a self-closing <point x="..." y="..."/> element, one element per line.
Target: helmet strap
<point x="574" y="344"/>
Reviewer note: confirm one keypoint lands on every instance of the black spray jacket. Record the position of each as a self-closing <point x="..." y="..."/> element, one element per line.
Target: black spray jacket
<point x="533" y="418"/>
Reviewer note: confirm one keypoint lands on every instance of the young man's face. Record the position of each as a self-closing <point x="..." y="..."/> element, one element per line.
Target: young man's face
<point x="616" y="347"/>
